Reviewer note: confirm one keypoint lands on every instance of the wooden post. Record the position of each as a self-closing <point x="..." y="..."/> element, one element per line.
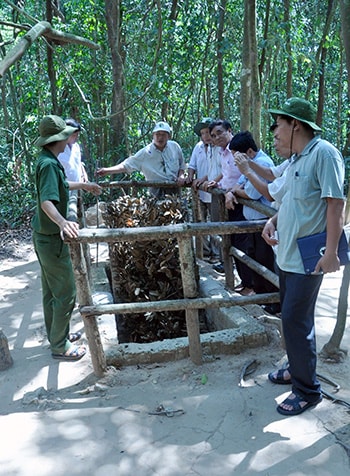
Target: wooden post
<point x="226" y="245"/>
<point x="84" y="296"/>
<point x="196" y="218"/>
<point x="190" y="289"/>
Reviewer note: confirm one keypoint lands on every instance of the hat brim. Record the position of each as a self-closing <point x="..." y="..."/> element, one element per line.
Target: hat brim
<point x="160" y="130"/>
<point x="63" y="135"/>
<point x="201" y="125"/>
<point x="279" y="112"/>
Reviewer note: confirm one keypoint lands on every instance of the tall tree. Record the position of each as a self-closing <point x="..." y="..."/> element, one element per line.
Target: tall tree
<point x="254" y="65"/>
<point x="246" y="74"/>
<point x="286" y="21"/>
<point x="250" y="78"/>
<point x="345" y="30"/>
<point x="118" y="137"/>
<point x="50" y="63"/>
<point x="220" y="56"/>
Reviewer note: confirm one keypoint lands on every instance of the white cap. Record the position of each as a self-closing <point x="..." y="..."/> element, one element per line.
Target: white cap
<point x="162" y="126"/>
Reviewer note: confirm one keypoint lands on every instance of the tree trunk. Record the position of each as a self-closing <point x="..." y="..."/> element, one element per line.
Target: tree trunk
<point x="345" y="29"/>
<point x="50" y="64"/>
<point x="286" y="19"/>
<point x="220" y="56"/>
<point x="245" y="74"/>
<point x="321" y="87"/>
<point x="332" y="349"/>
<point x="118" y="136"/>
<point x="254" y="66"/>
<point x="320" y="52"/>
<point x="265" y="37"/>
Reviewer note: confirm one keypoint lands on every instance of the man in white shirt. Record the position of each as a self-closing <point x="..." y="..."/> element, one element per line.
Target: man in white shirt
<point x="160" y="161"/>
<point x="205" y="165"/>
<point x="70" y="158"/>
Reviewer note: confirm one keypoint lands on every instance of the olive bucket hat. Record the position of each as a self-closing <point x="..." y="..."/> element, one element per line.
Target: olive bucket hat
<point x="202" y="125"/>
<point x="299" y="109"/>
<point x="53" y="128"/>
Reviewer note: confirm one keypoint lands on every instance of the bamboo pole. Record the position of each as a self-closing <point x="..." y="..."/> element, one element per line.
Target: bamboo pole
<point x="190" y="290"/>
<point x="177" y="304"/>
<point x="255" y="266"/>
<point x="113" y="235"/>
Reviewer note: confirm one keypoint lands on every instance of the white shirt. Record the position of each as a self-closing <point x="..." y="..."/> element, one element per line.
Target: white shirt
<point x="250" y="214"/>
<point x="157" y="165"/>
<point x="70" y="158"/>
<point x="206" y="162"/>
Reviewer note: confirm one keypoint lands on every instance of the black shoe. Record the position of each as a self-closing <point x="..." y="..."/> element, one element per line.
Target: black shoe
<point x="274" y="308"/>
<point x="219" y="268"/>
<point x="214" y="260"/>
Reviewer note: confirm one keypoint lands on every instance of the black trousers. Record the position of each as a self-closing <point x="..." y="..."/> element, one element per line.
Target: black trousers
<point x="298" y="299"/>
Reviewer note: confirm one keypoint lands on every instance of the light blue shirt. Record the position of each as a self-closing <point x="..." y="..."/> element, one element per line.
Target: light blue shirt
<point x="312" y="177"/>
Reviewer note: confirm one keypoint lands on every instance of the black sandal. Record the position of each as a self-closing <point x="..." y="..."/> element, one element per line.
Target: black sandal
<point x="295" y="403"/>
<point x="74" y="336"/>
<point x="279" y="377"/>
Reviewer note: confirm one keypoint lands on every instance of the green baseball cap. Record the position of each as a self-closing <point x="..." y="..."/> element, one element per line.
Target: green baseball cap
<point x="299" y="109"/>
<point x="53" y="128"/>
<point x="202" y="125"/>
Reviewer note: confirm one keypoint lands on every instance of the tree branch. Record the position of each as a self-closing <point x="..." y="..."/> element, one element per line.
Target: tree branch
<point x="45" y="29"/>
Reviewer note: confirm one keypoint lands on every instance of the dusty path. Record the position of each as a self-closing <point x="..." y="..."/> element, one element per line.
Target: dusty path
<point x="57" y="418"/>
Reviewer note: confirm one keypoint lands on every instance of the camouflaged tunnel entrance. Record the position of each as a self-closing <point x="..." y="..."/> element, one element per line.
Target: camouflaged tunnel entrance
<point x="146" y="271"/>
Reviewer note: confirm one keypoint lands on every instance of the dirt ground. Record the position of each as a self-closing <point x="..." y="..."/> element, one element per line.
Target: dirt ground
<point x="169" y="419"/>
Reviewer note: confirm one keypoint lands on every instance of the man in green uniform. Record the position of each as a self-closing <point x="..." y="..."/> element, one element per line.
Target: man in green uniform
<point x="49" y="227"/>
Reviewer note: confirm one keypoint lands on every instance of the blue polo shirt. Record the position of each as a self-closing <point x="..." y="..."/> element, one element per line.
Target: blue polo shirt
<point x="312" y="177"/>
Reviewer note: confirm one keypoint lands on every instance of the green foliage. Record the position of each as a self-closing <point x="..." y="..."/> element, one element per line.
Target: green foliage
<point x="17" y="197"/>
<point x="169" y="72"/>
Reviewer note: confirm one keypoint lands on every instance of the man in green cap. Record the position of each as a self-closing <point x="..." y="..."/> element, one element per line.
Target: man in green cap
<point x="49" y="225"/>
<point x="312" y="202"/>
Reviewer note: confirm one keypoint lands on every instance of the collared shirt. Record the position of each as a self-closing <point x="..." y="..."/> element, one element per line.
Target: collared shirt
<point x="157" y="165"/>
<point x="70" y="158"/>
<point x="51" y="185"/>
<point x="230" y="171"/>
<point x="205" y="161"/>
<point x="278" y="170"/>
<point x="312" y="177"/>
<point x="250" y="214"/>
<point x="276" y="187"/>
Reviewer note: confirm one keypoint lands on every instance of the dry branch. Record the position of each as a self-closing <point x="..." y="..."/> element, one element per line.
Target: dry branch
<point x="45" y="29"/>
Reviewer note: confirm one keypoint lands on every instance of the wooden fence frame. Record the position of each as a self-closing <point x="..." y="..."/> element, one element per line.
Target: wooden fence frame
<point x="191" y="303"/>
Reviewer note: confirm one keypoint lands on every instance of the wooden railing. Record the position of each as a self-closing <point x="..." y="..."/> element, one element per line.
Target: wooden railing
<point x="191" y="303"/>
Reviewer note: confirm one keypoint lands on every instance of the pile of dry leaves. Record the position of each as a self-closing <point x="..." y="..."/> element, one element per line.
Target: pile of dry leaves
<point x="146" y="270"/>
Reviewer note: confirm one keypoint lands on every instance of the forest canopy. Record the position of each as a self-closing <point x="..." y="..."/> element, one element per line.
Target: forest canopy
<point x="163" y="59"/>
